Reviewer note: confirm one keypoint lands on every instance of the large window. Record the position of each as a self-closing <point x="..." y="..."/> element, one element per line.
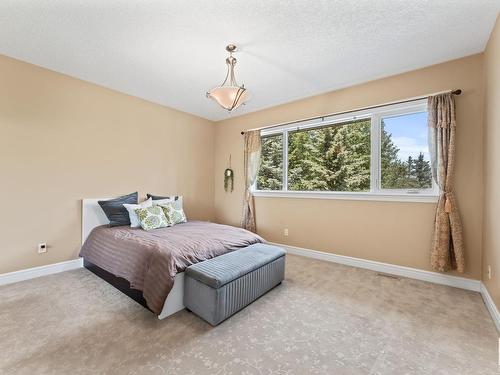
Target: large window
<point x="377" y="152"/>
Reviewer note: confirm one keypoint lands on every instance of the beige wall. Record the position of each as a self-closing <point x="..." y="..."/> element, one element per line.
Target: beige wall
<point x="491" y="238"/>
<point x="62" y="139"/>
<point x="398" y="233"/>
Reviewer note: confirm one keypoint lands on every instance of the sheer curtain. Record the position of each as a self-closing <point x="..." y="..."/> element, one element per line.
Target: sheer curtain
<point x="447" y="250"/>
<point x="252" y="162"/>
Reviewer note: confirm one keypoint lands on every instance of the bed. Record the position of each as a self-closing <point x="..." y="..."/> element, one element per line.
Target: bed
<point x="148" y="266"/>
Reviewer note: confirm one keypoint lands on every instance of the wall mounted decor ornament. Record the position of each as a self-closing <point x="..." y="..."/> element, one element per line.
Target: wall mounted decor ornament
<point x="229" y="177"/>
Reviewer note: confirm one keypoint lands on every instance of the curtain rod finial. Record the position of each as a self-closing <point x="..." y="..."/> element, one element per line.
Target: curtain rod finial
<point x="456" y="92"/>
<point x="242" y="133"/>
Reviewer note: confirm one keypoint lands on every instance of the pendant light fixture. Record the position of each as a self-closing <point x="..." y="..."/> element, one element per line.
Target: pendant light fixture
<point x="229" y="95"/>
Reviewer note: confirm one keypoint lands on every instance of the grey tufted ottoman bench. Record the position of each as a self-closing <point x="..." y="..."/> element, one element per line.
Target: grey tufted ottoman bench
<point x="217" y="288"/>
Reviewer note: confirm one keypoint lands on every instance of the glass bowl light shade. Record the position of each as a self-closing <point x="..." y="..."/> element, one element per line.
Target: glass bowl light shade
<point x="229" y="95"/>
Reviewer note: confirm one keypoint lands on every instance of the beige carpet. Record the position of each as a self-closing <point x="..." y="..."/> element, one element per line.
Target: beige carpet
<point x="324" y="319"/>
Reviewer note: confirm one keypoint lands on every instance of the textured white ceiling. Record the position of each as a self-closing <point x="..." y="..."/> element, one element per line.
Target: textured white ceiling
<point x="172" y="51"/>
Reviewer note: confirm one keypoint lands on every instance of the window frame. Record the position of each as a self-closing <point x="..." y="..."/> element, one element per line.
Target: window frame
<point x="376" y="191"/>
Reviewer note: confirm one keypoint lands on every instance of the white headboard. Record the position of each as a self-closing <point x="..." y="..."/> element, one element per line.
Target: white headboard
<point x="92" y="216"/>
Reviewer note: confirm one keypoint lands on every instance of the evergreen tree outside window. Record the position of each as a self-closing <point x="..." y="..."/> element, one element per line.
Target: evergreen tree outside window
<point x="271" y="163"/>
<point x="331" y="158"/>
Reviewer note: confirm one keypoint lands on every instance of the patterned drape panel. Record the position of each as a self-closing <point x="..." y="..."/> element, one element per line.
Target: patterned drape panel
<point x="252" y="163"/>
<point x="447" y="246"/>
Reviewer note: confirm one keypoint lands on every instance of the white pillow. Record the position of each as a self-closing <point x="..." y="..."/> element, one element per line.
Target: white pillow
<point x="134" y="220"/>
<point x="172" y="198"/>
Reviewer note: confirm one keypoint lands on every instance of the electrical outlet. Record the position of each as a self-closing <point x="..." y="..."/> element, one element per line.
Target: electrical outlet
<point x="285" y="232"/>
<point x="489" y="272"/>
<point x="42" y="248"/>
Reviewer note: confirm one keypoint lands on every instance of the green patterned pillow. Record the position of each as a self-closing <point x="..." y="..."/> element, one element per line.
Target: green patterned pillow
<point x="174" y="212"/>
<point x="152" y="218"/>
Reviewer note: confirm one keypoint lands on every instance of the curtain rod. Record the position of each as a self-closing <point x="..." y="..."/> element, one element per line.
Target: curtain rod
<point x="454" y="92"/>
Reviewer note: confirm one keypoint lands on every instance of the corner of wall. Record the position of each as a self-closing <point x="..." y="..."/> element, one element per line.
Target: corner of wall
<point x="491" y="166"/>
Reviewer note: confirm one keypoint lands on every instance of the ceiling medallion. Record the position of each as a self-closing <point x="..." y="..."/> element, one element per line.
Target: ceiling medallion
<point x="229" y="95"/>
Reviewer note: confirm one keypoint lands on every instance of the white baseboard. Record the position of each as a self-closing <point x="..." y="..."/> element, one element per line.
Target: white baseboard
<point x="490" y="305"/>
<point x="31" y="273"/>
<point x="412" y="273"/>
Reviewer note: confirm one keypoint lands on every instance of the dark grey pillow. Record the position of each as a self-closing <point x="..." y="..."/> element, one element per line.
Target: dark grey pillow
<point x="114" y="210"/>
<point x="158" y="197"/>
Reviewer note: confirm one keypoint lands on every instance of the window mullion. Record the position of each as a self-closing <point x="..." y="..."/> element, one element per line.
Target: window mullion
<point x="285" y="160"/>
<point x="375" y="154"/>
